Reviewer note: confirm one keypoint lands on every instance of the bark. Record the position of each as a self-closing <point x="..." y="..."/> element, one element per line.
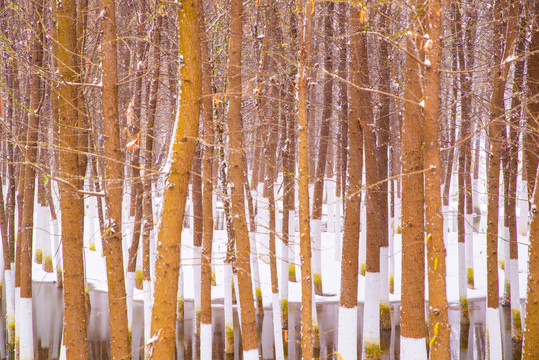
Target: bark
<point x="413" y="248"/>
<point x="248" y="319"/>
<point x="350" y="246"/>
<point x="531" y="138"/>
<point x="207" y="198"/>
<point x="114" y="186"/>
<point x="436" y="253"/>
<point x="463" y="159"/>
<point x="27" y="219"/>
<point x="178" y="169"/>
<point x="305" y="16"/>
<point x="530" y="345"/>
<point x="71" y="202"/>
<point x="382" y="159"/>
<point x="323" y="136"/>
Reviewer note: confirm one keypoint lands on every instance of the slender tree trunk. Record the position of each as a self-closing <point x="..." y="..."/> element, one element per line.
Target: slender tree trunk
<point x="36" y="91"/>
<point x="305" y="17"/>
<point x="113" y="190"/>
<point x="71" y="202"/>
<point x="382" y="158"/>
<point x="178" y="170"/>
<point x="322" y="150"/>
<point x="248" y="320"/>
<point x="436" y="254"/>
<point x="196" y="180"/>
<point x="530" y="345"/>
<point x="413" y="241"/>
<point x="347" y="331"/>
<point x="371" y="324"/>
<point x="207" y="198"/>
<point x="499" y="76"/>
<point x="514" y="132"/>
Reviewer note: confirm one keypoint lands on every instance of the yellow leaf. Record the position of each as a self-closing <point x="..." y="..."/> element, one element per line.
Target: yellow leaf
<point x="432" y="341"/>
<point x="435" y="263"/>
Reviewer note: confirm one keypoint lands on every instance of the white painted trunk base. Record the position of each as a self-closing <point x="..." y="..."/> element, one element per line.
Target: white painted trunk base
<point x="413" y="349"/>
<point x="17" y="318"/>
<point x="371" y="312"/>
<point x="463" y="276"/>
<point x="27" y="330"/>
<point x="523" y="208"/>
<point x="469" y="240"/>
<point x="284" y="271"/>
<point x="229" y="319"/>
<point x="277" y="327"/>
<point x="10" y="301"/>
<point x="254" y="259"/>
<point x="206" y="335"/>
<point x="129" y="288"/>
<point x="337" y="234"/>
<point x="316" y="231"/>
<point x="515" y="288"/>
<point x="147" y="289"/>
<point x="391" y="255"/>
<point x="445" y="215"/>
<point x="494" y="335"/>
<point x="197" y="256"/>
<point x="292" y="238"/>
<point x="250" y="354"/>
<point x="330" y="191"/>
<point x="347" y="333"/>
<point x="384" y="275"/>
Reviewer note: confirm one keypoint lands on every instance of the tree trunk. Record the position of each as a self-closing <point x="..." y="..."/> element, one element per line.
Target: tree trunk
<point x="530" y="345"/>
<point x="113" y="187"/>
<point x="27" y="220"/>
<point x="305" y="17"/>
<point x="71" y="202"/>
<point x="207" y="198"/>
<point x="413" y="247"/>
<point x="178" y="168"/>
<point x="248" y="320"/>
<point x="323" y="150"/>
<point x="497" y="117"/>
<point x="350" y="247"/>
<point x="436" y="253"/>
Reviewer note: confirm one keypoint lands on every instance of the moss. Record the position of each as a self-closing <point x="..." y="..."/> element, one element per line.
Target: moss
<point x="464" y="314"/>
<point x="60" y="276"/>
<point x="399" y="230"/>
<point x="363" y="269"/>
<point x="385" y="317"/>
<point x="502" y="264"/>
<point x="317" y="280"/>
<point x="291" y="272"/>
<point x="316" y="337"/>
<point x="138" y="279"/>
<point x="470" y="278"/>
<point x="130" y="337"/>
<point x="213" y="282"/>
<point x="284" y="309"/>
<point x="391" y="284"/>
<point x="506" y="299"/>
<point x="229" y="346"/>
<point x="39" y="256"/>
<point x="181" y="305"/>
<point x="372" y="351"/>
<point x="48" y="264"/>
<point x="92" y="246"/>
<point x="516" y="328"/>
<point x="234" y="293"/>
<point x="197" y="323"/>
<point x="259" y="304"/>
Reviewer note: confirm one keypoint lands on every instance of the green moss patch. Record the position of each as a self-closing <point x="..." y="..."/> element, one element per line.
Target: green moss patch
<point x="39" y="256"/>
<point x="372" y="351"/>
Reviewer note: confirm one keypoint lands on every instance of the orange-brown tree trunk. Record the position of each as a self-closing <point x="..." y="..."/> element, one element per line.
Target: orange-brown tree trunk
<point x="305" y="18"/>
<point x="178" y="170"/>
<point x="114" y="186"/>
<point x="438" y="322"/>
